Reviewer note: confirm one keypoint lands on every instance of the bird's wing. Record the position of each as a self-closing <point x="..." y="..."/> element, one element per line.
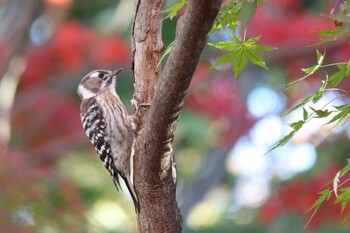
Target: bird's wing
<point x="95" y="128"/>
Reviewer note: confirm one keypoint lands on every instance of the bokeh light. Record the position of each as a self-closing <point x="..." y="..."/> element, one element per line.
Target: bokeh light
<point x="41" y="30"/>
<point x="252" y="192"/>
<point x="268" y="130"/>
<point x="247" y="160"/>
<point x="292" y="159"/>
<point x="263" y="100"/>
<point x="109" y="215"/>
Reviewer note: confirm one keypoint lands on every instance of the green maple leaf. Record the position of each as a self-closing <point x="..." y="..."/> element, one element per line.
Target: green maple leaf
<point x="241" y="52"/>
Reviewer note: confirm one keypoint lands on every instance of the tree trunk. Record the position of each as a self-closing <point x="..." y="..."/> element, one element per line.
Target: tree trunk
<point x="154" y="166"/>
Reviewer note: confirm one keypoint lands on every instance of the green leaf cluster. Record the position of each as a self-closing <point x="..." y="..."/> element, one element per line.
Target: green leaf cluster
<point x="344" y="199"/>
<point x="235" y="11"/>
<point x="312" y="69"/>
<point x="172" y="11"/>
<point x="326" y="193"/>
<point x="228" y="16"/>
<point x="330" y="83"/>
<point x="231" y="14"/>
<point x="240" y="52"/>
<point x="341" y="21"/>
<point x="329" y="35"/>
<point x="344" y="193"/>
<point x="340" y="113"/>
<point x="296" y="126"/>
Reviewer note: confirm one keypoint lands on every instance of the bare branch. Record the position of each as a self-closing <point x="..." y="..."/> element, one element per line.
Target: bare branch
<point x="192" y="31"/>
<point x="154" y="168"/>
<point x="147" y="46"/>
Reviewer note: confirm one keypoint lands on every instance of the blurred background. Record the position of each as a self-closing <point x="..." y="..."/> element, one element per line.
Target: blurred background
<point x="52" y="181"/>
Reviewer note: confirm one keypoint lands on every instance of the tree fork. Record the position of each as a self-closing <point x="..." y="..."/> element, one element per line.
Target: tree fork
<point x="154" y="167"/>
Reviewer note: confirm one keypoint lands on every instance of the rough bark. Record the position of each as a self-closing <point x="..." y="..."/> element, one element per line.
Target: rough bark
<point x="147" y="47"/>
<point x="154" y="167"/>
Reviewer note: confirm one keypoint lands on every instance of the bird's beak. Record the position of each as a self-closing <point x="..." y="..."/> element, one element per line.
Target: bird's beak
<point x="116" y="72"/>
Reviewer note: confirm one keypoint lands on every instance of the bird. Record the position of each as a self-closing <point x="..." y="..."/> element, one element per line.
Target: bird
<point x="108" y="125"/>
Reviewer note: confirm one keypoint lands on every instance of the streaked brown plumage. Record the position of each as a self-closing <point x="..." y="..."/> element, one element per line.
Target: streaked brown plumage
<point x="107" y="124"/>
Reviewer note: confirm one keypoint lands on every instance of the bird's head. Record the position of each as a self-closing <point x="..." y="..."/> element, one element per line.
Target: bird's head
<point x="97" y="81"/>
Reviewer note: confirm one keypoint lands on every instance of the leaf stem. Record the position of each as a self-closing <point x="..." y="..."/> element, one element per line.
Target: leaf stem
<point x="244" y="34"/>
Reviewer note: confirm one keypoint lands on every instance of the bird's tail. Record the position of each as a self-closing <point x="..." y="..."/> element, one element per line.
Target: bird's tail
<point x="132" y="192"/>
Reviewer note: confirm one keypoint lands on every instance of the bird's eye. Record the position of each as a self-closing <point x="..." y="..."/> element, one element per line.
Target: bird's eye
<point x="100" y="75"/>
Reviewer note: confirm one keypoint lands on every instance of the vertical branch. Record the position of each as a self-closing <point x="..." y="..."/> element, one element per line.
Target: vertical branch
<point x="147" y="47"/>
<point x="154" y="167"/>
<point x="191" y="36"/>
